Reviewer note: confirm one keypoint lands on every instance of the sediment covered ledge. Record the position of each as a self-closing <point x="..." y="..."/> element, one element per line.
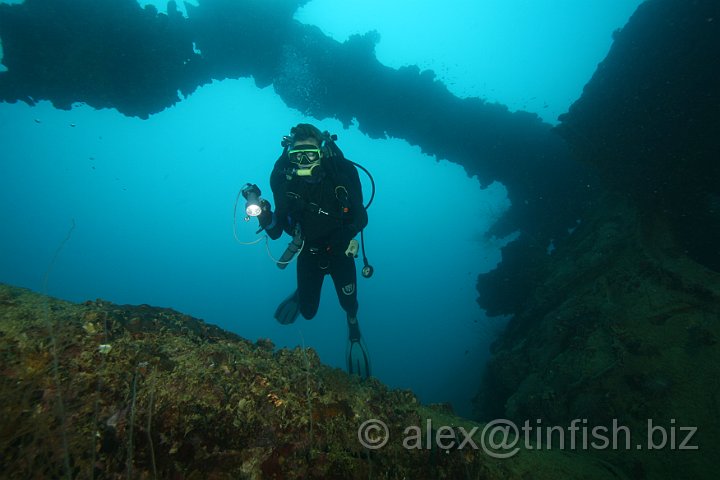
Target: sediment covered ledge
<point x="98" y="390"/>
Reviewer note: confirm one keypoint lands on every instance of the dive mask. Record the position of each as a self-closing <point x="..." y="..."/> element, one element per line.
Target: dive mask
<point x="304" y="155"/>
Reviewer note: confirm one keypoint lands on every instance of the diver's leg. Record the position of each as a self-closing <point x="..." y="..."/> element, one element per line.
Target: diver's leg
<point x="344" y="278"/>
<point x="309" y="280"/>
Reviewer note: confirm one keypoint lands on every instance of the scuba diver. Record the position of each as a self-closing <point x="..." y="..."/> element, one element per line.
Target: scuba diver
<point x="319" y="202"/>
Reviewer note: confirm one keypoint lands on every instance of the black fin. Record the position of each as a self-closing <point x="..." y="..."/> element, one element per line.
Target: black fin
<point x="358" y="361"/>
<point x="288" y="310"/>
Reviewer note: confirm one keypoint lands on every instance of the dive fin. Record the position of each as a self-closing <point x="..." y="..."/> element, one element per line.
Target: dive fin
<point x="288" y="310"/>
<point x="358" y="361"/>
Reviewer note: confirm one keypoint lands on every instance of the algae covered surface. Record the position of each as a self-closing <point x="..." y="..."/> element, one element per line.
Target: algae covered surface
<point x="624" y="331"/>
<point x="98" y="390"/>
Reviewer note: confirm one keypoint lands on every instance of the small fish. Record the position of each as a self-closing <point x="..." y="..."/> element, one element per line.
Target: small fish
<point x="73" y="125"/>
<point x="37" y="120"/>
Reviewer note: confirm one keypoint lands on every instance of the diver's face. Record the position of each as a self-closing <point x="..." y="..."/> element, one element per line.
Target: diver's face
<point x="305" y="152"/>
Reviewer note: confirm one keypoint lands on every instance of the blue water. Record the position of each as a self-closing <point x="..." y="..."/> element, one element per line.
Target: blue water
<point x="152" y="200"/>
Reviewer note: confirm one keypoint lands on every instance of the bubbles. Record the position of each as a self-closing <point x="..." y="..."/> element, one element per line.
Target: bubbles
<point x="297" y="82"/>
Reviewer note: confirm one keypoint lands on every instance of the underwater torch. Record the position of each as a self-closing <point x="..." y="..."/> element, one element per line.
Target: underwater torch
<point x="251" y="192"/>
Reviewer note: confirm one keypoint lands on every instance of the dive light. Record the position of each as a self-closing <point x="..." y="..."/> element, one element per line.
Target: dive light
<point x="251" y="192"/>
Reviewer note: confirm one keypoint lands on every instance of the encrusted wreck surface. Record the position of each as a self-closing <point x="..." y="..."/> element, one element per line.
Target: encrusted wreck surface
<point x="621" y="322"/>
<point x="624" y="330"/>
<point x="648" y="120"/>
<point x="97" y="390"/>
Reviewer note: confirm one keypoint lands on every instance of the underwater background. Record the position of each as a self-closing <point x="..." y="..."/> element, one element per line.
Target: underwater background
<point x="150" y="202"/>
<point x="545" y="236"/>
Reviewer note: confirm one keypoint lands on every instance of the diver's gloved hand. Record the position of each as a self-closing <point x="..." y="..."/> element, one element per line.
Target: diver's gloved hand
<point x="266" y="215"/>
<point x="340" y="240"/>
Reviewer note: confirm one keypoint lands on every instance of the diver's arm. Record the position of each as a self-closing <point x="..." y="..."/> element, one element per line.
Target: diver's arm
<point x="360" y="217"/>
<point x="273" y="228"/>
<point x="275" y="223"/>
<point x="340" y="240"/>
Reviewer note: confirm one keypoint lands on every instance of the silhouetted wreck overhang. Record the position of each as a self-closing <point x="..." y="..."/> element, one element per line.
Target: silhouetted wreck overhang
<point x="140" y="61"/>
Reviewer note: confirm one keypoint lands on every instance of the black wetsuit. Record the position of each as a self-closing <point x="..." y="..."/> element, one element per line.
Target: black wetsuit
<point x="324" y="212"/>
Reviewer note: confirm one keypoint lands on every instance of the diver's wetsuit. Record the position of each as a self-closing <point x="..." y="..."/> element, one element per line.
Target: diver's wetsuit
<point x="317" y="204"/>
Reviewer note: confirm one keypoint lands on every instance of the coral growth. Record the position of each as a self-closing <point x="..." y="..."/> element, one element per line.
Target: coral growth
<point x="625" y="328"/>
<point x="152" y="393"/>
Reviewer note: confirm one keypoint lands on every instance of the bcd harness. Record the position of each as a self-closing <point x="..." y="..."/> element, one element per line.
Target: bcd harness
<point x="331" y="149"/>
<point x="315" y="206"/>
